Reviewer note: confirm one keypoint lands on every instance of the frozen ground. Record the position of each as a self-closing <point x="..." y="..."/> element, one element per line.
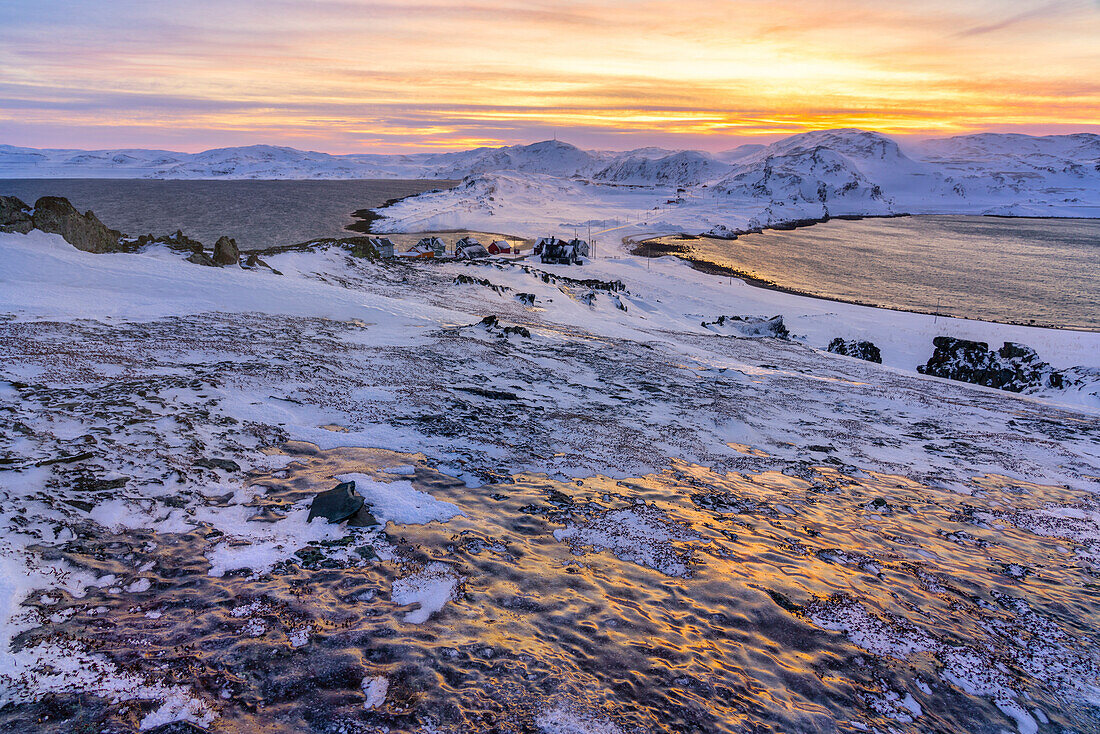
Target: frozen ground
<point x="620" y="452"/>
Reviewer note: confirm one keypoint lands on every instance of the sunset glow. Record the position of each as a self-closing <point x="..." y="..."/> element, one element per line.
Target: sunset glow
<point x="349" y="76"/>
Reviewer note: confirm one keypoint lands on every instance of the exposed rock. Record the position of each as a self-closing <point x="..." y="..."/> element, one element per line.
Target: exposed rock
<point x="363" y="518"/>
<point x="15" y="215"/>
<point x="255" y="262"/>
<point x="85" y="232"/>
<point x="860" y="350"/>
<point x="491" y="323"/>
<point x="1014" y="367"/>
<point x="226" y="251"/>
<point x="223" y="464"/>
<point x="462" y="279"/>
<point x="201" y="258"/>
<point x="336" y="504"/>
<point x="175" y="241"/>
<point x="750" y="325"/>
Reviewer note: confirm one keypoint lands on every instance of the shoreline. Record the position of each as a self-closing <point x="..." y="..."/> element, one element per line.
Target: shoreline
<point x="368" y="216"/>
<point x="648" y="248"/>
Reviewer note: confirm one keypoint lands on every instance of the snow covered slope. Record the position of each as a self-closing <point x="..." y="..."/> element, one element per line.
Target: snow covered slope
<point x="148" y="532"/>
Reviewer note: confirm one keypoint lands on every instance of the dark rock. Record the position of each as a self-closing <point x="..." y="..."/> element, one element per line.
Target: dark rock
<point x="179" y="727"/>
<point x="363" y="518"/>
<point x="254" y="261"/>
<point x="54" y="214"/>
<point x="175" y="241"/>
<point x="201" y="258"/>
<point x="491" y="322"/>
<point x="15" y="215"/>
<point x="517" y="330"/>
<point x="226" y="251"/>
<point x="336" y="504"/>
<point x="223" y="464"/>
<point x="528" y="299"/>
<point x="1014" y="367"/>
<point x="491" y="394"/>
<point x="752" y="325"/>
<point x="860" y="350"/>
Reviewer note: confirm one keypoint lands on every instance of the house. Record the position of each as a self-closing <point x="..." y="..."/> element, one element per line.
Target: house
<point x="559" y="252"/>
<point x="420" y="250"/>
<point x="580" y="246"/>
<point x="384" y="246"/>
<point x="545" y="242"/>
<point x="468" y="248"/>
<point x="435" y="244"/>
<point x="500" y="247"/>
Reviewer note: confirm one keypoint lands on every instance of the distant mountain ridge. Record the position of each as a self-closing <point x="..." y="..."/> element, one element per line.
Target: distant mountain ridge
<point x="1069" y="154"/>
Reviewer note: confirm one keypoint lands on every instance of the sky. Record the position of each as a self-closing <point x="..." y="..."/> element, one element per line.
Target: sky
<point x="346" y="76"/>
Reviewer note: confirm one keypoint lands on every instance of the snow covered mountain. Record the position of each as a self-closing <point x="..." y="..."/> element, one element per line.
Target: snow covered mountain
<point x="807" y="176"/>
<point x="686" y="168"/>
<point x="552" y="184"/>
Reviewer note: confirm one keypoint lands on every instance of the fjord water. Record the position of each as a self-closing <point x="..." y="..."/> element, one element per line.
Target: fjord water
<point x="1041" y="271"/>
<point x="256" y="213"/>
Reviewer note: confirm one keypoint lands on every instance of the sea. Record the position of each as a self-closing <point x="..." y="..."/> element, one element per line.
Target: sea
<point x="1044" y="272"/>
<point x="257" y="214"/>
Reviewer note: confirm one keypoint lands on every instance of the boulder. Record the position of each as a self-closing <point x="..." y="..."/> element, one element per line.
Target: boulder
<point x="201" y="258"/>
<point x="336" y="504"/>
<point x="226" y="251"/>
<point x="860" y="350"/>
<point x="254" y="261"/>
<point x="85" y="232"/>
<point x="15" y="215"/>
<point x="1013" y="367"/>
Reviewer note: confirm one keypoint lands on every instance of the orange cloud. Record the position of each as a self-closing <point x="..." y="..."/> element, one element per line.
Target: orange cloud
<point x="343" y="74"/>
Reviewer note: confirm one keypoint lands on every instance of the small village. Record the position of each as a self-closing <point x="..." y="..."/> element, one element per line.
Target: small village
<point x="550" y="250"/>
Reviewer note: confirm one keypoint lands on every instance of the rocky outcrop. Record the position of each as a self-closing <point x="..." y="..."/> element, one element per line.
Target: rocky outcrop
<point x="226" y="251"/>
<point x="1013" y="367"/>
<point x="54" y="214"/>
<point x="175" y="241"/>
<point x="750" y="326"/>
<point x="852" y="348"/>
<point x="15" y="215"/>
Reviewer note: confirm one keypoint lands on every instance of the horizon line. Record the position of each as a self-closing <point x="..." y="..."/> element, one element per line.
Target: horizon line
<point x="438" y="150"/>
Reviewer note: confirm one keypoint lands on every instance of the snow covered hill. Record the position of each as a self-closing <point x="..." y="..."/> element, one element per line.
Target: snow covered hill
<point x="807" y="176"/>
<point x="547" y="186"/>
